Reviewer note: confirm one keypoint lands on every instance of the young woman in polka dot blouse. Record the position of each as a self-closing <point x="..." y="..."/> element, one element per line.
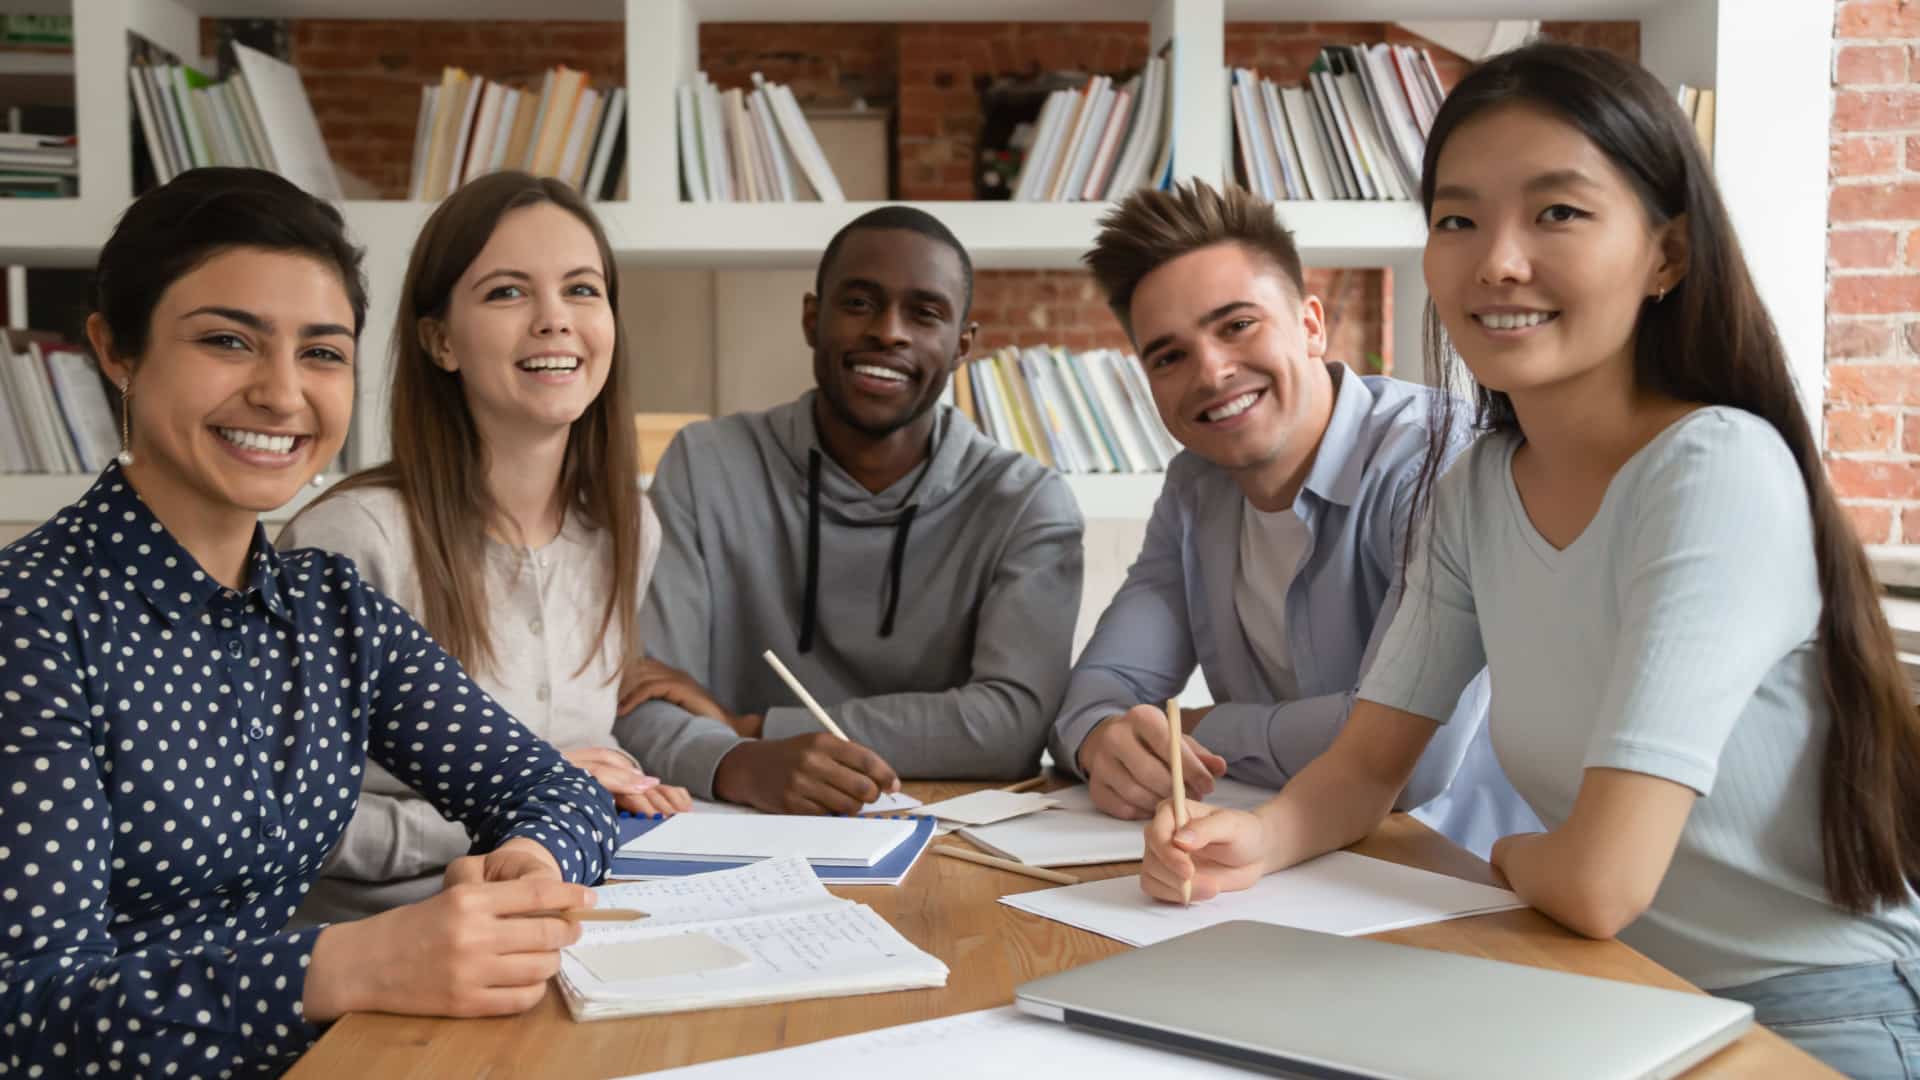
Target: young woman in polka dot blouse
<point x="185" y="712"/>
<point x="510" y="520"/>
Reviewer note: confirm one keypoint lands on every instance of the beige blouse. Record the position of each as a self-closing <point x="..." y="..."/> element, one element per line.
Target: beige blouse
<point x="544" y="608"/>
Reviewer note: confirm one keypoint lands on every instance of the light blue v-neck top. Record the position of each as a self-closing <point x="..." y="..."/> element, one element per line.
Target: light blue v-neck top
<point x="1674" y="637"/>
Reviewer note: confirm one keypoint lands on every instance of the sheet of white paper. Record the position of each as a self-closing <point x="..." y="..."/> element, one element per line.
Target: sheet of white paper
<point x="1338" y="893"/>
<point x="656" y="958"/>
<point x="892" y="802"/>
<point x="994" y="1042"/>
<point x="761" y="888"/>
<point x="1075" y="833"/>
<point x="988" y="806"/>
<point x="291" y="128"/>
<point x="825" y="841"/>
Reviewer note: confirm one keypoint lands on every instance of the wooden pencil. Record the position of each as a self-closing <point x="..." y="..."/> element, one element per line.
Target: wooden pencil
<point x="1008" y="865"/>
<point x="806" y="699"/>
<point x="1027" y="785"/>
<point x="1176" y="758"/>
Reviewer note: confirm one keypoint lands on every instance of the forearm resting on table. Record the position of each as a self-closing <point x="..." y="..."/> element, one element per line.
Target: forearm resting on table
<point x="1600" y="870"/>
<point x="1344" y="794"/>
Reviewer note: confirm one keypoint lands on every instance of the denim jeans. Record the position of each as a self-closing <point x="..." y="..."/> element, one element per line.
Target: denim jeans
<point x="1863" y="1020"/>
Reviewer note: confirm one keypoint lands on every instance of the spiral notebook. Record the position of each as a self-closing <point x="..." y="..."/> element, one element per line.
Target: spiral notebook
<point x="889" y="869"/>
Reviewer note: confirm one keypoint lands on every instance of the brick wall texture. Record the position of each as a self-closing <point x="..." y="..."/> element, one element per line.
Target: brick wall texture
<point x="1873" y="269"/>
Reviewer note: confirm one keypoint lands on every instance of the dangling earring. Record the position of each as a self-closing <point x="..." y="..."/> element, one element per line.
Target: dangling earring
<point x="125" y="456"/>
<point x="1661" y="295"/>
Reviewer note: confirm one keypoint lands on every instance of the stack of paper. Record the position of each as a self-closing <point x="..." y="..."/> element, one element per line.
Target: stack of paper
<point x="822" y="841"/>
<point x="761" y="933"/>
<point x="1100" y="141"/>
<point x="993" y="1042"/>
<point x="1338" y="893"/>
<point x="260" y="118"/>
<point x="1075" y="833"/>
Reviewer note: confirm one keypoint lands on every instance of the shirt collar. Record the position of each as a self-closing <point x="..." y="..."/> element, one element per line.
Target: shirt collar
<point x="1340" y="464"/>
<point x="120" y="525"/>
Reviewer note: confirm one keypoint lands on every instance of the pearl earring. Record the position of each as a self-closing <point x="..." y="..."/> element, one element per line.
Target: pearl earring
<point x="319" y="480"/>
<point x="125" y="456"/>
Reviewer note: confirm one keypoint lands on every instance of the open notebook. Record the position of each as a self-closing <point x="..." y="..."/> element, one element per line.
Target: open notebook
<point x="764" y="932"/>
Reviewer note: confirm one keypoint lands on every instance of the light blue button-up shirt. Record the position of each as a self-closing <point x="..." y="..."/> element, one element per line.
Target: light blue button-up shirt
<point x="1176" y="609"/>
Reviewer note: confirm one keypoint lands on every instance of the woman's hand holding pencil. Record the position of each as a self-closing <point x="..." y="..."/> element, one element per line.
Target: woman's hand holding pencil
<point x="1216" y="851"/>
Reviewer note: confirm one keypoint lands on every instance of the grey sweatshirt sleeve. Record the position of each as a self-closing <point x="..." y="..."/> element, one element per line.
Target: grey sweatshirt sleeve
<point x="1142" y="648"/>
<point x="675" y="629"/>
<point x="993" y="727"/>
<point x="394" y="833"/>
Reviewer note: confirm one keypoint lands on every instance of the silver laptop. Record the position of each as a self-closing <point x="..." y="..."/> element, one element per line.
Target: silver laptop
<point x="1305" y="1004"/>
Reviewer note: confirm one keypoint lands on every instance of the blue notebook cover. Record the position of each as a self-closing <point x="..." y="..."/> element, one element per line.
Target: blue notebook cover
<point x="888" y="871"/>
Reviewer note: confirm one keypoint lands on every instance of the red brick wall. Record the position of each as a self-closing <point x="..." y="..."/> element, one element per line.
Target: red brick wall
<point x="1873" y="270"/>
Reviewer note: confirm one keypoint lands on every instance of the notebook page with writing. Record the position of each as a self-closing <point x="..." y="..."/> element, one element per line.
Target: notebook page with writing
<point x="825" y="841"/>
<point x="1338" y="893"/>
<point x="831" y="948"/>
<point x="763" y="888"/>
<point x="992" y="1042"/>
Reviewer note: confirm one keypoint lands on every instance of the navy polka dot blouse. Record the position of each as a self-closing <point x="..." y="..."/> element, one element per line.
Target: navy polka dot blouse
<point x="177" y="760"/>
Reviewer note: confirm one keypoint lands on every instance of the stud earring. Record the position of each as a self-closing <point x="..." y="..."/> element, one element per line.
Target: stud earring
<point x="319" y="480"/>
<point x="125" y="456"/>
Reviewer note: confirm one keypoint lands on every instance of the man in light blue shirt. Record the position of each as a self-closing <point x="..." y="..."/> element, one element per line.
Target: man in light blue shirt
<point x="1273" y="556"/>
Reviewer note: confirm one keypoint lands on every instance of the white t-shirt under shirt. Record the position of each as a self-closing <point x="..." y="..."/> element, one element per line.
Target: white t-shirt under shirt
<point x="1271" y="547"/>
<point x="1674" y="637"/>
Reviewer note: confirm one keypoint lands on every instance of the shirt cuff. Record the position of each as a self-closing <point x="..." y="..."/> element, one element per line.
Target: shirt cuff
<point x="695" y="762"/>
<point x="266" y="1003"/>
<point x="1070" y="733"/>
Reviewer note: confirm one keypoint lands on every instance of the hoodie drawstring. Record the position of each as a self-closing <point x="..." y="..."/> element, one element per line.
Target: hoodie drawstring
<point x="810" y="601"/>
<point x="810" y="604"/>
<point x="894" y="562"/>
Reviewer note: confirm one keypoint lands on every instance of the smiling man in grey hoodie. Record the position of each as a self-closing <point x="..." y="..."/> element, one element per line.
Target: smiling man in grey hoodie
<point x="920" y="580"/>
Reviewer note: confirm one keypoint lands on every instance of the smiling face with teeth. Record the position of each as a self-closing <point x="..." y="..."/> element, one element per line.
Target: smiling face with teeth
<point x="1236" y="360"/>
<point x="529" y="328"/>
<point x="245" y="387"/>
<point x="886" y="331"/>
<point x="1541" y="255"/>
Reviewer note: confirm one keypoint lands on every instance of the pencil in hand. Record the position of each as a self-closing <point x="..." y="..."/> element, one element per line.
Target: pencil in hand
<point x="1176" y="757"/>
<point x="585" y="914"/>
<point x="806" y="699"/>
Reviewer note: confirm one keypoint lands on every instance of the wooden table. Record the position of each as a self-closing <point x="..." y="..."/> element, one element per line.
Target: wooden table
<point x="949" y="908"/>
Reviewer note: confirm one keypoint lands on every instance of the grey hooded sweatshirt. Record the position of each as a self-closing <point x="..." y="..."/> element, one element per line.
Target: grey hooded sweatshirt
<point x="933" y="620"/>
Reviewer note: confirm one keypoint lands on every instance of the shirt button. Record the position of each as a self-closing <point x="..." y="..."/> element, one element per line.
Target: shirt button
<point x="257" y="731"/>
<point x="543" y="693"/>
<point x="235" y="649"/>
<point x="536" y="626"/>
<point x="542" y="560"/>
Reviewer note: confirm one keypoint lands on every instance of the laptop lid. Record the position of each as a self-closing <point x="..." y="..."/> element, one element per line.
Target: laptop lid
<point x="1316" y="1005"/>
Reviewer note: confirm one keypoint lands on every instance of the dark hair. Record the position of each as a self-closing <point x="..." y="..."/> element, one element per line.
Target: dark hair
<point x="1711" y="340"/>
<point x="439" y="461"/>
<point x="173" y="229"/>
<point x="1151" y="228"/>
<point x="911" y="219"/>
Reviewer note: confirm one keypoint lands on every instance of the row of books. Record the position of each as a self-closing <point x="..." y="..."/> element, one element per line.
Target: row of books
<point x="55" y="418"/>
<point x="259" y="117"/>
<point x="1087" y="412"/>
<point x="39" y="165"/>
<point x="568" y="129"/>
<point x="749" y="146"/>
<point x="1101" y="141"/>
<point x="1697" y="103"/>
<point x="1357" y="128"/>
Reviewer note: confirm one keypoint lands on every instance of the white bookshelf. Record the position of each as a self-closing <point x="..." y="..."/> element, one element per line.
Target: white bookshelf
<point x="37" y="498"/>
<point x="1771" y="72"/>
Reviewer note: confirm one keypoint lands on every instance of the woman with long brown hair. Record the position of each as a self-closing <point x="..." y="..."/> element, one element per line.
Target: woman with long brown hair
<point x="510" y="519"/>
<point x="1693" y="684"/>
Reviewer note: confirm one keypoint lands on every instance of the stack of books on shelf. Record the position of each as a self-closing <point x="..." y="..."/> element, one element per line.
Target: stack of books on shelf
<point x="749" y="146"/>
<point x="1101" y="141"/>
<point x="258" y="118"/>
<point x="1697" y="103"/>
<point x="1088" y="412"/>
<point x="39" y="166"/>
<point x="1356" y="130"/>
<point x="54" y="416"/>
<point x="566" y="129"/>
